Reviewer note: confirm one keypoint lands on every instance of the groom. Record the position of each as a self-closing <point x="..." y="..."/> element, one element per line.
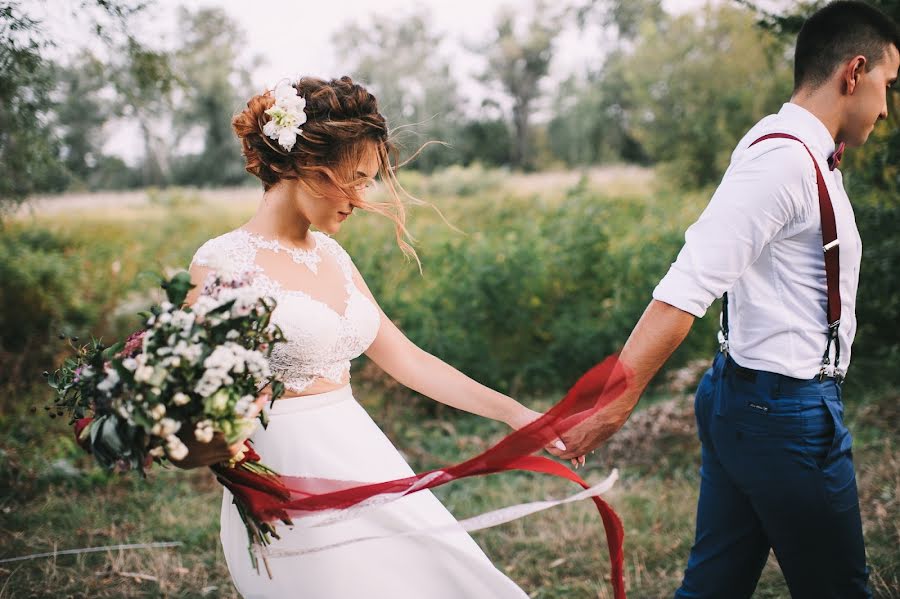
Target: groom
<point x="780" y="238"/>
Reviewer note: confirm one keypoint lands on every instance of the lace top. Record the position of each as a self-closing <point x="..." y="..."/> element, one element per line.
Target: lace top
<point x="321" y="341"/>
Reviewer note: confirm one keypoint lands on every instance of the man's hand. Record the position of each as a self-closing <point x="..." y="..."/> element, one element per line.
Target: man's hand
<point x="556" y="447"/>
<point x="594" y="430"/>
<point x="660" y="330"/>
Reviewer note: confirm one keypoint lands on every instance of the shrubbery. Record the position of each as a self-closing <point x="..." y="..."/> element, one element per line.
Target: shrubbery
<point x="877" y="346"/>
<point x="529" y="294"/>
<point x="538" y="289"/>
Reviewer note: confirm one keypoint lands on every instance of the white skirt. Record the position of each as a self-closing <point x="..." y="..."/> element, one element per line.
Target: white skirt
<point x="331" y="436"/>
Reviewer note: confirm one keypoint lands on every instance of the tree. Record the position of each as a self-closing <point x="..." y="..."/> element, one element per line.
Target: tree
<point x="144" y="82"/>
<point x="621" y="20"/>
<point x="696" y="83"/>
<point x="593" y="112"/>
<point x="80" y="114"/>
<point x="518" y="59"/>
<point x="34" y="153"/>
<point x="401" y="61"/>
<point x="213" y="88"/>
<point x="28" y="149"/>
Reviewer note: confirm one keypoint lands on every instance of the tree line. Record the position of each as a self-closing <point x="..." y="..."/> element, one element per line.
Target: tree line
<point x="676" y="90"/>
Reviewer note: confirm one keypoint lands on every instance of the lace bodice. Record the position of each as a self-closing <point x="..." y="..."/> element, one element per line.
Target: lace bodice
<point x="321" y="341"/>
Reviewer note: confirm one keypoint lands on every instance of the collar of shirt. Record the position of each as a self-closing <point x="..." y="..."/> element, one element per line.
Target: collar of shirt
<point x="809" y="128"/>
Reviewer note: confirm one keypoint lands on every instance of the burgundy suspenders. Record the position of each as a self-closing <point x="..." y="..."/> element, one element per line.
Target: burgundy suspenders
<point x="832" y="270"/>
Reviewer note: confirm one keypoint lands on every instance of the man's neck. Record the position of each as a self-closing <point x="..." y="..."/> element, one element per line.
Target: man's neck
<point x="823" y="106"/>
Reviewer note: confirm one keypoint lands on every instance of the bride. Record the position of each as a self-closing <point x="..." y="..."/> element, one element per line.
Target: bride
<point x="317" y="146"/>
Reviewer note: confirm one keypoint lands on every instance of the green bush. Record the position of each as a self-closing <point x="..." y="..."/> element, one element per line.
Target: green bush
<point x="87" y="276"/>
<point x="537" y="290"/>
<point x="877" y="345"/>
<point x="42" y="293"/>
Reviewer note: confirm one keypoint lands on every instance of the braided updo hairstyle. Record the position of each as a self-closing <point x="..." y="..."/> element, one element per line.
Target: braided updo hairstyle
<point x="342" y="124"/>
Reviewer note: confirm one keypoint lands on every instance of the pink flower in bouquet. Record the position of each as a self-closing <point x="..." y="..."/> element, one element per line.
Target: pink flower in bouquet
<point x="133" y="344"/>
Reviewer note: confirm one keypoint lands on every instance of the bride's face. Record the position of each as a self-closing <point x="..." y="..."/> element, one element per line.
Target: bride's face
<point x="328" y="207"/>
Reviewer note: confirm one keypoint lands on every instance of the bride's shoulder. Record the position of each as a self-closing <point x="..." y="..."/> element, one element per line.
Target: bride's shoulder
<point x="228" y="243"/>
<point x="331" y="244"/>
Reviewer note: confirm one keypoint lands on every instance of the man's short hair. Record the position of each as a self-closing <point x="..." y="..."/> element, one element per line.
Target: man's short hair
<point x="838" y="32"/>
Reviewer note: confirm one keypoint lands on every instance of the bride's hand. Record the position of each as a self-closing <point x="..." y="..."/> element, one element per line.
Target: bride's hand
<point x="216" y="450"/>
<point x="556" y="447"/>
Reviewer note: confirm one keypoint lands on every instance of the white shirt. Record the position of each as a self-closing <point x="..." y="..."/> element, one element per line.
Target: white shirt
<point x="760" y="240"/>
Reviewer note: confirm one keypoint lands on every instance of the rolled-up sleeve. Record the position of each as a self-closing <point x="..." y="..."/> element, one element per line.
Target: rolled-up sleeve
<point x="766" y="188"/>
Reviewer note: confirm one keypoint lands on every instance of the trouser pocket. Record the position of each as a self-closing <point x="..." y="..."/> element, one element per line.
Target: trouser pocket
<point x="837" y="466"/>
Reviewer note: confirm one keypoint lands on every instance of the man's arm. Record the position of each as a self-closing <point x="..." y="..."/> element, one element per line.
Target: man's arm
<point x="657" y="334"/>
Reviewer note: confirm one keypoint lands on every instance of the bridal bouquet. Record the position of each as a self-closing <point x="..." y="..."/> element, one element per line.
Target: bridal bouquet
<point x="191" y="372"/>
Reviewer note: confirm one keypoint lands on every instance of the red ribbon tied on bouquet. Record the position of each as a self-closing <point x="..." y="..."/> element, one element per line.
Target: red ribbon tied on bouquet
<point x="283" y="497"/>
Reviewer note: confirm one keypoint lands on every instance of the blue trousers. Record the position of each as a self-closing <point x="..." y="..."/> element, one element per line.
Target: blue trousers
<point x="777" y="472"/>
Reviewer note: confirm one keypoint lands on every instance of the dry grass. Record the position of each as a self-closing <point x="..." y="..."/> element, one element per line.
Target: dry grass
<point x="554" y="554"/>
<point x="129" y="205"/>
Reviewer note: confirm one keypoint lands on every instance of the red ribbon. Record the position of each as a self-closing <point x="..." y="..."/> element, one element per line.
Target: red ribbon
<point x="82" y="439"/>
<point x="279" y="498"/>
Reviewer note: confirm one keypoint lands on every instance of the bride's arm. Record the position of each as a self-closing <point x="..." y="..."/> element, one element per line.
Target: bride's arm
<point x="417" y="369"/>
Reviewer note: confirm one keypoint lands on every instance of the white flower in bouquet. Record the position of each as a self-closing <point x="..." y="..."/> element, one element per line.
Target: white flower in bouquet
<point x="181" y="399"/>
<point x="203" y="306"/>
<point x="125" y="410"/>
<point x="166" y="428"/>
<point x="143" y="374"/>
<point x="190" y="352"/>
<point x="175" y="448"/>
<point x="158" y="411"/>
<point x="204" y="431"/>
<point x="107" y="384"/>
<point x="243" y="404"/>
<point x="183" y="320"/>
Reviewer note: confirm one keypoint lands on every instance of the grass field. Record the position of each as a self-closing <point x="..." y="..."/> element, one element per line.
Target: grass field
<point x="53" y="498"/>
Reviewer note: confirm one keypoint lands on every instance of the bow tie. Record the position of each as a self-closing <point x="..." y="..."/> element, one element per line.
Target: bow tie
<point x="835" y="159"/>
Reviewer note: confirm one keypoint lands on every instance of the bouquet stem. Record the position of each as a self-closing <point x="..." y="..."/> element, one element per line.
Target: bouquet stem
<point x="259" y="532"/>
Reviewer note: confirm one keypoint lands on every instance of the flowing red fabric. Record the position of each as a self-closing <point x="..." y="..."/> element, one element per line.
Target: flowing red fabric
<point x="270" y="498"/>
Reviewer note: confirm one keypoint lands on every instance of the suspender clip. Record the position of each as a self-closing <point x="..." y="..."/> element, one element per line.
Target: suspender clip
<point x="830" y="246"/>
<point x="839" y="376"/>
<point x="723" y="343"/>
<point x="823" y="370"/>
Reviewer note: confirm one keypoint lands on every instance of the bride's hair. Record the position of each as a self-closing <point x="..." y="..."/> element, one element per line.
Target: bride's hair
<point x="343" y="124"/>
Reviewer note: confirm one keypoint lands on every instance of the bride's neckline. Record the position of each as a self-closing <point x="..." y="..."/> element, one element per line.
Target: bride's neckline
<point x="307" y="257"/>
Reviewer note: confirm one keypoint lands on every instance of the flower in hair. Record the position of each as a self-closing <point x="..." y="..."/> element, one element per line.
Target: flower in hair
<point x="286" y="116"/>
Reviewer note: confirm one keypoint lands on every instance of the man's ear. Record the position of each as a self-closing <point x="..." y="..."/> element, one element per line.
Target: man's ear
<point x="851" y="73"/>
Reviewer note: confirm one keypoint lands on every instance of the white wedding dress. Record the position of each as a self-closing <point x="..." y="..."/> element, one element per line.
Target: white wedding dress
<point x="328" y="321"/>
